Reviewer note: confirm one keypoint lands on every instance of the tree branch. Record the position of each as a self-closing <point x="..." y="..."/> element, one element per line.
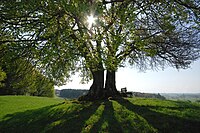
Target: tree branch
<point x="187" y="5"/>
<point x="112" y="1"/>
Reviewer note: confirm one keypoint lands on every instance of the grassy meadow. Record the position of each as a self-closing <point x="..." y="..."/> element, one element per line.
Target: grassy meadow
<point x="36" y="114"/>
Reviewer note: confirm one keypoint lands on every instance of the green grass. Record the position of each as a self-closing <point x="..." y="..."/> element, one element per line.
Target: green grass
<point x="13" y="104"/>
<point x="34" y="114"/>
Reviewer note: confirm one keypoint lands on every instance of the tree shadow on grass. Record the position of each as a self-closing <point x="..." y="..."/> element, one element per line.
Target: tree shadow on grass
<point x="74" y="122"/>
<point x="103" y="116"/>
<point x="107" y="121"/>
<point x="162" y="122"/>
<point x="54" y="118"/>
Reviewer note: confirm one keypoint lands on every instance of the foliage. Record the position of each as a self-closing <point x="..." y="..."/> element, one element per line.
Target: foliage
<point x="33" y="114"/>
<point x="2" y="77"/>
<point x="23" y="79"/>
<point x="146" y="34"/>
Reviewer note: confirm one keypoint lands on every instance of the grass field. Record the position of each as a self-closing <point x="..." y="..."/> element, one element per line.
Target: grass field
<point x="35" y="114"/>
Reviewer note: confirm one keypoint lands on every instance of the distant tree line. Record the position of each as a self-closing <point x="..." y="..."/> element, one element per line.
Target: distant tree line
<point x="19" y="77"/>
<point x="72" y="93"/>
<point x="183" y="96"/>
<point x="148" y="95"/>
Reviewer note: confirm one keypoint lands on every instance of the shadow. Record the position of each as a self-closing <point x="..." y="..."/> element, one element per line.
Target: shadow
<point x="108" y="121"/>
<point x="54" y="118"/>
<point x="162" y="122"/>
<point x="22" y="121"/>
<point x="186" y="104"/>
<point x="74" y="122"/>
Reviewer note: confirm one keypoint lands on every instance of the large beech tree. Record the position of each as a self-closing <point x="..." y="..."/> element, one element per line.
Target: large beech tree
<point x="62" y="37"/>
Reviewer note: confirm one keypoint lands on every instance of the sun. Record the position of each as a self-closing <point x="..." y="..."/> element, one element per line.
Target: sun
<point x="91" y="20"/>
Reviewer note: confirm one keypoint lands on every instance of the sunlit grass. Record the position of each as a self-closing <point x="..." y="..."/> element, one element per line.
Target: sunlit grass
<point x="34" y="114"/>
<point x="131" y="121"/>
<point x="13" y="104"/>
<point x="184" y="109"/>
<point x="94" y="118"/>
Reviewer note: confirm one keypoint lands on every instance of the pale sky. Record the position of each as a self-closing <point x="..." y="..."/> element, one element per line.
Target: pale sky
<point x="169" y="80"/>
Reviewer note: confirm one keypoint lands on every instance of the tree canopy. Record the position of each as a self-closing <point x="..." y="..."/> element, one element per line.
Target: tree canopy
<point x="59" y="39"/>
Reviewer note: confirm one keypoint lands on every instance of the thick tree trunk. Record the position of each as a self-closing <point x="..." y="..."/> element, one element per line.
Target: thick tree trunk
<point x="110" y="86"/>
<point x="96" y="91"/>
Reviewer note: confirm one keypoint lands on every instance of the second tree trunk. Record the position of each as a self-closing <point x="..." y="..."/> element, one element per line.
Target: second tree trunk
<point x="110" y="85"/>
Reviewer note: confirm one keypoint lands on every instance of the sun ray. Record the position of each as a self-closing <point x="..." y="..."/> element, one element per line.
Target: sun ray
<point x="91" y="20"/>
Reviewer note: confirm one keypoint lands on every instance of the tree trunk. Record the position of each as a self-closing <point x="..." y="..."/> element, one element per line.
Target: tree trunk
<point x="110" y="86"/>
<point x="96" y="91"/>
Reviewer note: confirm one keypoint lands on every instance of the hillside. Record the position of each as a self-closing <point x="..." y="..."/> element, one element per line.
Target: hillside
<point x="34" y="114"/>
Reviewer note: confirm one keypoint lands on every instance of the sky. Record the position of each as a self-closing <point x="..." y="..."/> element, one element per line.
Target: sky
<point x="169" y="80"/>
